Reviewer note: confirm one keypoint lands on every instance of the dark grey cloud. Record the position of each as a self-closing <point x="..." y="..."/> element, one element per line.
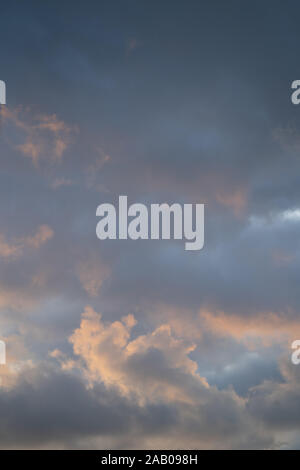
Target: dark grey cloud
<point x="52" y="409"/>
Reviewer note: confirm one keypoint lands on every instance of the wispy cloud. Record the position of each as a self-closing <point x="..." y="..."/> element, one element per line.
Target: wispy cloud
<point x="44" y="136"/>
<point x="15" y="248"/>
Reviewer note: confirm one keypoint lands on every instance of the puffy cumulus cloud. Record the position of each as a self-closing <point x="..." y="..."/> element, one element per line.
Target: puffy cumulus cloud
<point x="15" y="249"/>
<point x="42" y="136"/>
<point x="145" y="386"/>
<point x="146" y="389"/>
<point x="155" y="369"/>
<point x="112" y="357"/>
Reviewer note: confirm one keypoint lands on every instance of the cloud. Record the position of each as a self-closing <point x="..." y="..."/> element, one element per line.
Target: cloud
<point x="235" y="200"/>
<point x="113" y="358"/>
<point x="92" y="274"/>
<point x="220" y="131"/>
<point x="276" y="404"/>
<point x="98" y="415"/>
<point x="16" y="248"/>
<point x="151" y="378"/>
<point x="43" y="136"/>
<point x="43" y="395"/>
<point x="16" y="298"/>
<point x="59" y="182"/>
<point x="43" y="234"/>
<point x="260" y="330"/>
<point x="155" y="368"/>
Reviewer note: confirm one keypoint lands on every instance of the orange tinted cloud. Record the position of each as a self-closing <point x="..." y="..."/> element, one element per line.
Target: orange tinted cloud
<point x="264" y="328"/>
<point x="14" y="249"/>
<point x="44" y="136"/>
<point x="112" y="357"/>
<point x="235" y="200"/>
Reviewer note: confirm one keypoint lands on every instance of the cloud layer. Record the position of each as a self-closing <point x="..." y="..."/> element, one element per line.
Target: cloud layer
<point x="139" y="344"/>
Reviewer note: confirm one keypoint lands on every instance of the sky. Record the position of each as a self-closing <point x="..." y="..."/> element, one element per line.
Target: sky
<point x="122" y="344"/>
